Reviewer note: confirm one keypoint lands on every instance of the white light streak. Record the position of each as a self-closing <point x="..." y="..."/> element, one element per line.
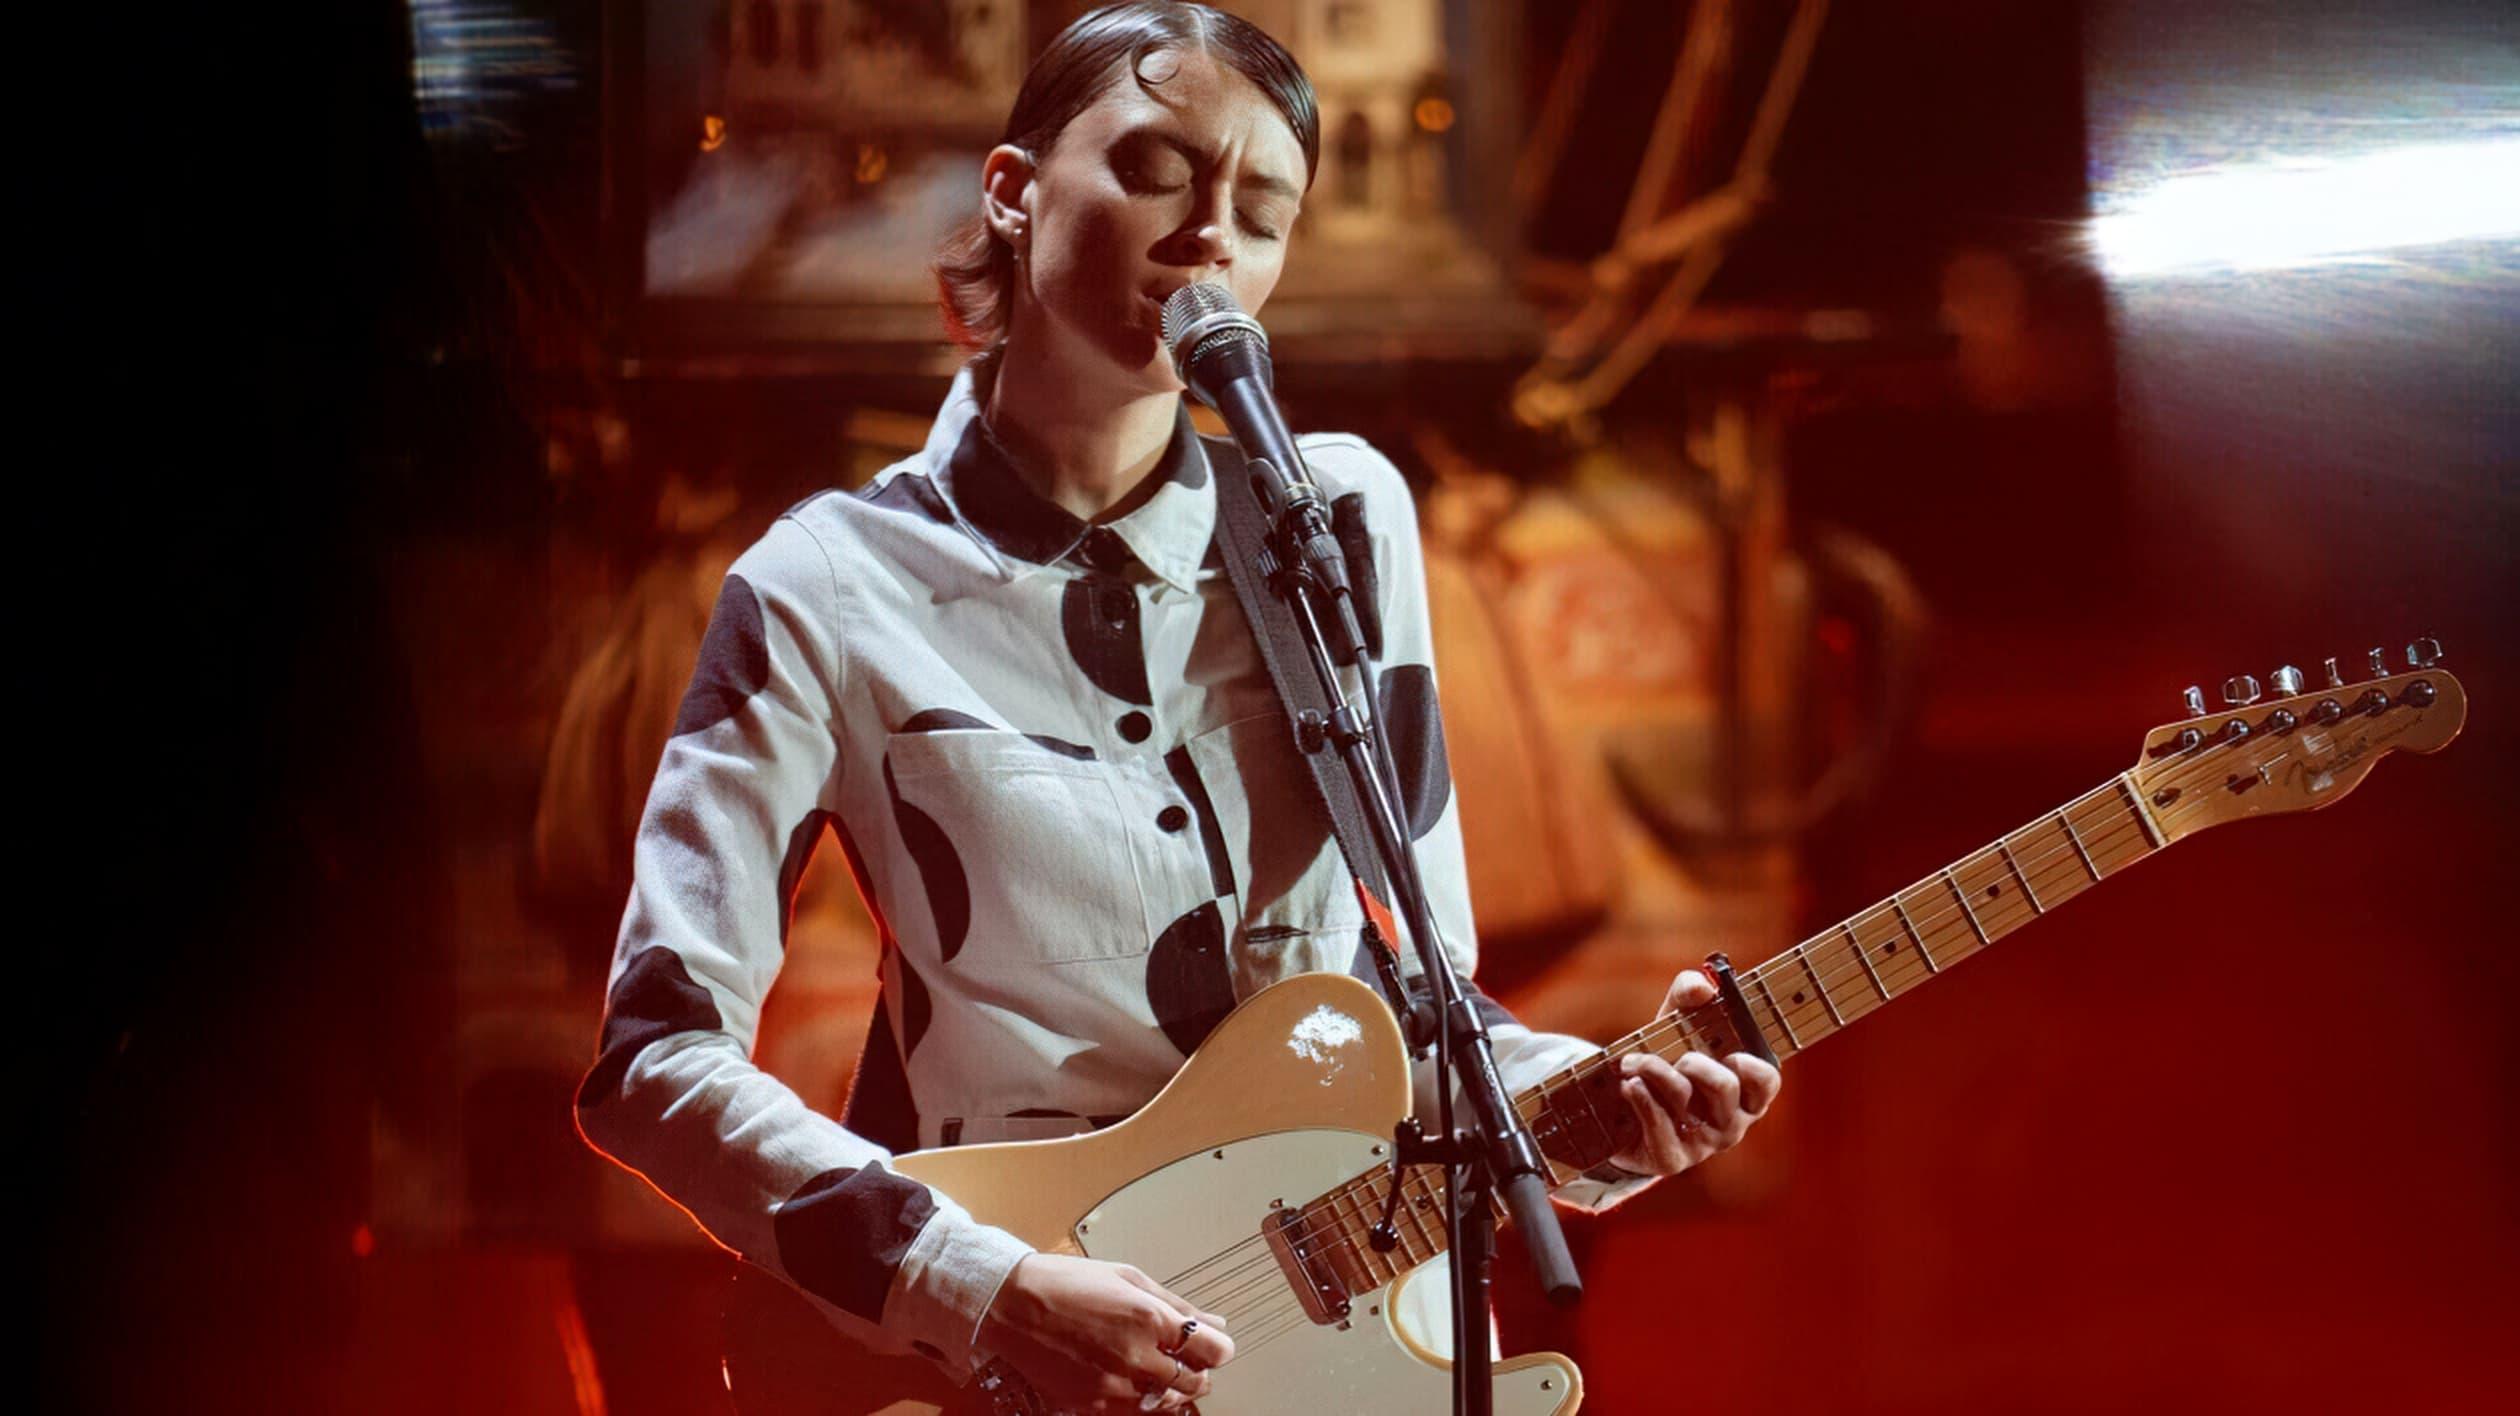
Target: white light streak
<point x="2307" y="211"/>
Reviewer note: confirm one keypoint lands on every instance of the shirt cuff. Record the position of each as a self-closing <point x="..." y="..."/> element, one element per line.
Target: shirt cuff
<point x="946" y="1283"/>
<point x="1602" y="1187"/>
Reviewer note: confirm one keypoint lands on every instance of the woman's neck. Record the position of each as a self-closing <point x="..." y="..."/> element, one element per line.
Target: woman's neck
<point x="1088" y="450"/>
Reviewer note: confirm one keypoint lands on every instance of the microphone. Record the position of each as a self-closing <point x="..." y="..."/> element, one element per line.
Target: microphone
<point x="1223" y="355"/>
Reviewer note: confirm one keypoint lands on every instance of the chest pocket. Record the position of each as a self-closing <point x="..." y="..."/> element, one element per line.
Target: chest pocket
<point x="1299" y="904"/>
<point x="1020" y="847"/>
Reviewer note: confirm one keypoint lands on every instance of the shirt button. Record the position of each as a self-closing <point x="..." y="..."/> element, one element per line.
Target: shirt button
<point x="1104" y="550"/>
<point x="1136" y="727"/>
<point x="1172" y="818"/>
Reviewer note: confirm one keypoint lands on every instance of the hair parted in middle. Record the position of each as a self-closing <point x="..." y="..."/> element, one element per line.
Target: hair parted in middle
<point x="975" y="267"/>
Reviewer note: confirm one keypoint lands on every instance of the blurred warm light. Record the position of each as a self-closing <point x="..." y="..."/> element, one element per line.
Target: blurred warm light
<point x="1434" y="114"/>
<point x="2313" y="210"/>
<point x="712" y="133"/>
<point x="872" y="163"/>
<point x="362" y="1242"/>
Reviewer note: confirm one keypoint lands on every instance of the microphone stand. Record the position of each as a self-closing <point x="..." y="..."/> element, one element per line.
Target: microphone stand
<point x="1494" y="1155"/>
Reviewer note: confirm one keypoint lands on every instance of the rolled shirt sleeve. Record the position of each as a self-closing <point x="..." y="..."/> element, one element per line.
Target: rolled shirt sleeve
<point x="747" y="784"/>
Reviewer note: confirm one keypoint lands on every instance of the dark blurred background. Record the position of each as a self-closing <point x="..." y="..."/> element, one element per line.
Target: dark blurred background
<point x="1825" y="469"/>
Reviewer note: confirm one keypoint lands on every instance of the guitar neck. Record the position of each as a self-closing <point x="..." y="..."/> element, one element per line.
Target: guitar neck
<point x="1858" y="965"/>
<point x="1805" y="994"/>
<point x="1855" y="967"/>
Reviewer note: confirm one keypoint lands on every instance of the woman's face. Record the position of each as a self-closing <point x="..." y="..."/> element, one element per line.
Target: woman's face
<point x="1155" y="186"/>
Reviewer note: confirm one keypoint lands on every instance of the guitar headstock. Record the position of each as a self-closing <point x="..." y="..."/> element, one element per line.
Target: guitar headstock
<point x="2298" y="751"/>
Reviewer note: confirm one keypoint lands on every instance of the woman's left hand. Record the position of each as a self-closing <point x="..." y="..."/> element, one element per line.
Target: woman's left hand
<point x="1695" y="1108"/>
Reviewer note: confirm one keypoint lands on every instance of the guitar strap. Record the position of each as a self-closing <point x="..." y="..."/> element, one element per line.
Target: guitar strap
<point x="1242" y="530"/>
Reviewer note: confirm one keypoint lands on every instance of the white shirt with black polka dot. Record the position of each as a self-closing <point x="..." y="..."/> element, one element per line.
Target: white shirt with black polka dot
<point x="1065" y="786"/>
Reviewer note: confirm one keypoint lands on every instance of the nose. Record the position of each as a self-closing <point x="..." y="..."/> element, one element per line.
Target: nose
<point x="1205" y="240"/>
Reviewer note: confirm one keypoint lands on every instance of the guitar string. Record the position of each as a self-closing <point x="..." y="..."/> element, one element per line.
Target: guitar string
<point x="1339" y="1226"/>
<point x="2097" y="843"/>
<point x="1284" y="1312"/>
<point x="1213" y="1291"/>
<point x="1306" y="1224"/>
<point x="2068" y="860"/>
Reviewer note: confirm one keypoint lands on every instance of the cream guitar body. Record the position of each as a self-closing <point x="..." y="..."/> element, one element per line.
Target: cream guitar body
<point x="1256" y="1184"/>
<point x="1294" y="1096"/>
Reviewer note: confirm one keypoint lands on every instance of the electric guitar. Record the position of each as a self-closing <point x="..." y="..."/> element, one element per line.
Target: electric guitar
<point x="1259" y="1183"/>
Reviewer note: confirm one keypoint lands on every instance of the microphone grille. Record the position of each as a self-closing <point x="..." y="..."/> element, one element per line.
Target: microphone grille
<point x="1190" y="302"/>
<point x="1199" y="318"/>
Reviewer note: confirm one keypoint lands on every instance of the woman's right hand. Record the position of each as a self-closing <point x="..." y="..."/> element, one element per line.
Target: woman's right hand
<point x="1095" y="1337"/>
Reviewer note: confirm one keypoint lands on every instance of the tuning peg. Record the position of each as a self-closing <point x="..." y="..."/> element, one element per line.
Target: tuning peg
<point x="2335" y="679"/>
<point x="2424" y="652"/>
<point x="2194" y="701"/>
<point x="2287" y="680"/>
<point x="2240" y="692"/>
<point x="2379" y="663"/>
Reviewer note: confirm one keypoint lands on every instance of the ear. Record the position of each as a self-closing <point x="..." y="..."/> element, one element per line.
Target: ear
<point x="1006" y="186"/>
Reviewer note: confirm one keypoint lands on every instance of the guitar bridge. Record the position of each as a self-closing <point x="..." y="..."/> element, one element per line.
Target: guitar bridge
<point x="1304" y="1258"/>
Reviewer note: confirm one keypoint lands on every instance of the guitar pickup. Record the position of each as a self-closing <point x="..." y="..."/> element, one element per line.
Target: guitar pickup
<point x="1305" y="1259"/>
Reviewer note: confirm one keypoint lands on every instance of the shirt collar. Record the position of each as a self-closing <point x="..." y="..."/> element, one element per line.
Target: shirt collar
<point x="1168" y="533"/>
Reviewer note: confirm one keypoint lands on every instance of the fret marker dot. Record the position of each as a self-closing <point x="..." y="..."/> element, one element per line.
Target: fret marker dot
<point x="1890" y="948"/>
<point x="1798" y="998"/>
<point x="1994" y="890"/>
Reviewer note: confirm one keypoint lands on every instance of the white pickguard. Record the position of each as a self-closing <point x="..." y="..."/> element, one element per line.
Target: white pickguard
<point x="1173" y="1219"/>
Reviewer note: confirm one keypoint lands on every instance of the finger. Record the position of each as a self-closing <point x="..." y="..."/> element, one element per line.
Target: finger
<point x="1208" y="1346"/>
<point x="1657" y="1104"/>
<point x="1759" y="1083"/>
<point x="1137" y="1278"/>
<point x="1718" y="1094"/>
<point x="1672" y="1094"/>
<point x="1174" y="1312"/>
<point x="1157" y="1396"/>
<point x="1168" y="1381"/>
<point x="1689" y="988"/>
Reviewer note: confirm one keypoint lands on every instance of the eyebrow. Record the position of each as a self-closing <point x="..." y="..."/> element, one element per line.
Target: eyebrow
<point x="1266" y="181"/>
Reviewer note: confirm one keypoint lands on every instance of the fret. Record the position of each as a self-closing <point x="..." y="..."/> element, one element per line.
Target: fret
<point x="1431" y="1242"/>
<point x="1864" y="956"/>
<point x="1592" y="1112"/>
<point x="2005" y="845"/>
<point x="2076" y="837"/>
<point x="1546" y="1096"/>
<point x="1963" y="897"/>
<point x="1910" y="925"/>
<point x="1361" y="1245"/>
<point x="1347" y="1261"/>
<point x="1804" y="953"/>
<point x="2143" y="813"/>
<point x="1384" y="1186"/>
<point x="1976" y="883"/>
<point x="1790" y="1035"/>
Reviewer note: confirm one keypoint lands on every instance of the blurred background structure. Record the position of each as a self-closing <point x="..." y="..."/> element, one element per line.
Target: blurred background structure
<point x="1840" y="431"/>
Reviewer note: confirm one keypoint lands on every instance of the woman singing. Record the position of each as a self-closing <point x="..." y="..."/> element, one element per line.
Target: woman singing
<point x="1012" y="677"/>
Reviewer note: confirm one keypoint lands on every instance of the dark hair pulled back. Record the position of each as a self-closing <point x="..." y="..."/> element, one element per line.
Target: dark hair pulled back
<point x="975" y="270"/>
